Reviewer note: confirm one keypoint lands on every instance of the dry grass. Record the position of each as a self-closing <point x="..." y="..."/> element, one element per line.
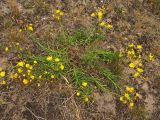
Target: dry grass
<point x="90" y="54"/>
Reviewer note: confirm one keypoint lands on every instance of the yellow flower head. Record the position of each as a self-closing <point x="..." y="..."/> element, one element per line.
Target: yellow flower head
<point x="21" y="64"/>
<point x="20" y="30"/>
<point x="62" y="67"/>
<point x="86" y="99"/>
<point x="121" y="98"/>
<point x="93" y="15"/>
<point x="25" y="81"/>
<point x="131" y="104"/>
<point x="56" y="59"/>
<point x="35" y="62"/>
<point x="150" y="56"/>
<point x="14" y="75"/>
<point x="124" y="101"/>
<point x="84" y="84"/>
<point x="140" y="70"/>
<point x="132" y="52"/>
<point x="102" y="23"/>
<point x="30" y="27"/>
<point x="61" y="13"/>
<point x="27" y="65"/>
<point x="4" y="82"/>
<point x="32" y="77"/>
<point x="136" y="74"/>
<point x="49" y="58"/>
<point x="30" y="67"/>
<point x="109" y="26"/>
<point x="131" y="45"/>
<point x="58" y="11"/>
<point x="2" y="73"/>
<point x="40" y="76"/>
<point x="100" y="14"/>
<point x="129" y="89"/>
<point x="6" y="49"/>
<point x="140" y="64"/>
<point x="78" y="94"/>
<point x="52" y="76"/>
<point x="131" y="65"/>
<point x="20" y="70"/>
<point x="127" y="95"/>
<point x="129" y="52"/>
<point x="137" y="94"/>
<point x="139" y="46"/>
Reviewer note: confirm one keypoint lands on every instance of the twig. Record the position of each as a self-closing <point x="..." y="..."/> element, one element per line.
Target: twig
<point x="37" y="117"/>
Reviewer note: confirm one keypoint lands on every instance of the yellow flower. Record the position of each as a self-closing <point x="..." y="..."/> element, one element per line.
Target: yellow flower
<point x="93" y="15"/>
<point x="2" y="74"/>
<point x="58" y="11"/>
<point x="126" y="95"/>
<point x="150" y="57"/>
<point x="32" y="77"/>
<point x="62" y="67"/>
<point x="136" y="74"/>
<point x="124" y="101"/>
<point x="52" y="76"/>
<point x="78" y="94"/>
<point x="84" y="84"/>
<point x="15" y="75"/>
<point x="31" y="67"/>
<point x="21" y="64"/>
<point x="139" y="56"/>
<point x="131" y="65"/>
<point x="25" y="81"/>
<point x="45" y="72"/>
<point x="27" y="65"/>
<point x="100" y="14"/>
<point x="86" y="99"/>
<point x="109" y="26"/>
<point x="102" y="23"/>
<point x="40" y="76"/>
<point x="131" y="104"/>
<point x="35" y="62"/>
<point x="56" y="59"/>
<point x="121" y="98"/>
<point x="139" y="46"/>
<point x="130" y="89"/>
<point x="140" y="70"/>
<point x="30" y="27"/>
<point x="129" y="52"/>
<point x="49" y="58"/>
<point x="132" y="52"/>
<point x="6" y="49"/>
<point x="4" y="82"/>
<point x="140" y="64"/>
<point x="131" y="45"/>
<point x="28" y="71"/>
<point x="61" y="13"/>
<point x="20" y="30"/>
<point x="20" y="70"/>
<point x="137" y="94"/>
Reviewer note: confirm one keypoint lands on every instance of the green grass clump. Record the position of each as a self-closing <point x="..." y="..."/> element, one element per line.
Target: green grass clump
<point x="91" y="57"/>
<point x="80" y="37"/>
